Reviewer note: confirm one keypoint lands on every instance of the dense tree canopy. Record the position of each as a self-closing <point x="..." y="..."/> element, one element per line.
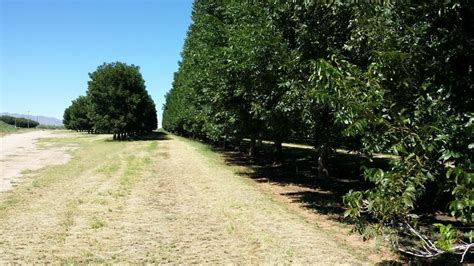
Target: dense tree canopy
<point x="392" y="78"/>
<point x="117" y="102"/>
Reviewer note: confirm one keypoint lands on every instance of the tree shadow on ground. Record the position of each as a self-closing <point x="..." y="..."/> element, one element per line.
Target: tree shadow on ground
<point x="155" y="135"/>
<point x="298" y="168"/>
<point x="443" y="259"/>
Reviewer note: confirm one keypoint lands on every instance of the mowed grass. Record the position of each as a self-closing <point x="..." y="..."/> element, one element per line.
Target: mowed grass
<point x="94" y="155"/>
<point x="162" y="199"/>
<point x="80" y="198"/>
<point x="90" y="154"/>
<point x="280" y="195"/>
<point x="7" y="129"/>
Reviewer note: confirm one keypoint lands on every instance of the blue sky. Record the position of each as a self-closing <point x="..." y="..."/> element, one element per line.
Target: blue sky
<point x="48" y="47"/>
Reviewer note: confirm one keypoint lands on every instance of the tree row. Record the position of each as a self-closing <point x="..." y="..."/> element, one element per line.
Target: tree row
<point x="117" y="102"/>
<point x="392" y="78"/>
<point x="18" y="122"/>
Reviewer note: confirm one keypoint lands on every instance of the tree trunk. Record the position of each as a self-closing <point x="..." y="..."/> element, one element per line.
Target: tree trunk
<point x="238" y="142"/>
<point x="252" y="147"/>
<point x="115" y="136"/>
<point x="323" y="171"/>
<point x="277" y="152"/>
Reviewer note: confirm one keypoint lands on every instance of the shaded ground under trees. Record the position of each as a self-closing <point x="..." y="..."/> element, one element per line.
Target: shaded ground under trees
<point x="297" y="176"/>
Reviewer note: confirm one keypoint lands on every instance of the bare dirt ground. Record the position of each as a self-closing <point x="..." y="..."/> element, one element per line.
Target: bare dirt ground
<point x="156" y="201"/>
<point x="21" y="152"/>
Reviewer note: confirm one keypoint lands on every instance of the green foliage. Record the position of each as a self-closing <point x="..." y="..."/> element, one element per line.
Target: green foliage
<point x="117" y="102"/>
<point x="463" y="204"/>
<point x="448" y="238"/>
<point x="420" y="118"/>
<point x="118" y="97"/>
<point x="18" y="122"/>
<point x="76" y="116"/>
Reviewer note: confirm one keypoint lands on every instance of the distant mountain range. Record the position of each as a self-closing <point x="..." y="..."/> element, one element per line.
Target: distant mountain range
<point x="43" y="120"/>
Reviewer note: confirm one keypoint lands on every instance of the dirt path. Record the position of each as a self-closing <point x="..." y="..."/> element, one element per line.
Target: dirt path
<point x="20" y="152"/>
<point x="154" y="201"/>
